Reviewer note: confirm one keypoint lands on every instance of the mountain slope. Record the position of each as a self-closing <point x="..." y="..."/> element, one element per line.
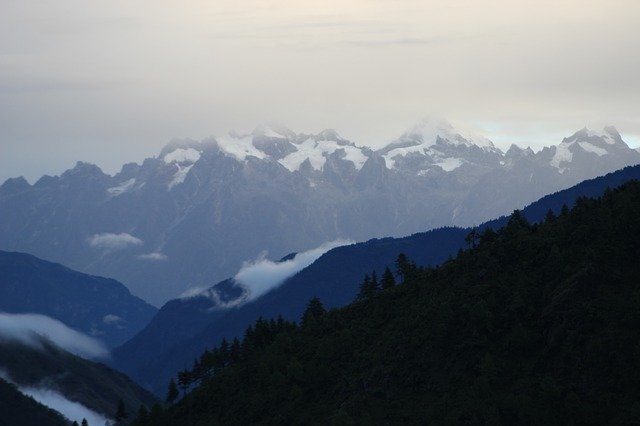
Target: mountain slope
<point x="158" y="352"/>
<point x="192" y="215"/>
<point x="19" y="409"/>
<point x="91" y="384"/>
<point x="535" y="325"/>
<point x="97" y="306"/>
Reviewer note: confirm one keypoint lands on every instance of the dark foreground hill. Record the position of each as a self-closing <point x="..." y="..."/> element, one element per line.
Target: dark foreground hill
<point x="532" y="324"/>
<point x="185" y="327"/>
<point x="100" y="307"/>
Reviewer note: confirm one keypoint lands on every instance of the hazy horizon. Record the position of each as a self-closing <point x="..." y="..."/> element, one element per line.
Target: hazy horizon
<point x="112" y="82"/>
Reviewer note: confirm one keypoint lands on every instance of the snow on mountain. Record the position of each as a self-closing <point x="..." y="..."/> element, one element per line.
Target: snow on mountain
<point x="182" y="155"/>
<point x="433" y="141"/>
<point x="122" y="188"/>
<point x="588" y="141"/>
<point x="240" y="147"/>
<point x="316" y="151"/>
<point x="180" y="175"/>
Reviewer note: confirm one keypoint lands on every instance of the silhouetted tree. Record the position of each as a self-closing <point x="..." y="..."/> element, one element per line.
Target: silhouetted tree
<point x="472" y="237"/>
<point x="121" y="412"/>
<point x="172" y="392"/>
<point x="143" y="415"/>
<point x="184" y="380"/>
<point x="388" y="280"/>
<point x="403" y="267"/>
<point x="368" y="288"/>
<point x="315" y="310"/>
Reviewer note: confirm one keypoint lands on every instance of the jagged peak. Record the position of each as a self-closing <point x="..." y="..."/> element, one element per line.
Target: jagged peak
<point x="433" y="130"/>
<point x="273" y="130"/>
<point x="83" y="167"/>
<point x="330" y="135"/>
<point x="15" y="185"/>
<point x="609" y="135"/>
<point x="178" y="143"/>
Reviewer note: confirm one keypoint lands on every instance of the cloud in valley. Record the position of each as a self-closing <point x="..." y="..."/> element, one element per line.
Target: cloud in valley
<point x="73" y="411"/>
<point x="109" y="241"/>
<point x="26" y="328"/>
<point x="153" y="257"/>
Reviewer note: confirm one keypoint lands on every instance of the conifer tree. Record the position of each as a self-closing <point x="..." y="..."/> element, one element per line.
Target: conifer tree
<point x="388" y="280"/>
<point x="184" y="380"/>
<point x="143" y="415"/>
<point x="368" y="288"/>
<point x="172" y="392"/>
<point x="235" y="353"/>
<point x="121" y="412"/>
<point x="84" y="422"/>
<point x="314" y="311"/>
<point x="403" y="267"/>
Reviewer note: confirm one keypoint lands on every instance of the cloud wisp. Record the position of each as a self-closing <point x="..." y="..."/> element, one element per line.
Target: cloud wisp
<point x="258" y="277"/>
<point x="73" y="411"/>
<point x="30" y="328"/>
<point x="262" y="276"/>
<point x="153" y="257"/>
<point x="109" y="241"/>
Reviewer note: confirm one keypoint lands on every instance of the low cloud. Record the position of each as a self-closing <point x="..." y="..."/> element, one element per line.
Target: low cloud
<point x="73" y="411"/>
<point x="262" y="276"/>
<point x="29" y="329"/>
<point x="110" y="241"/>
<point x="153" y="257"/>
<point x="111" y="319"/>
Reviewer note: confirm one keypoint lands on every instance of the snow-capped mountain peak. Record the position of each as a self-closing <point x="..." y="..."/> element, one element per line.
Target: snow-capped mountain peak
<point x="608" y="142"/>
<point x="432" y="130"/>
<point x="435" y="142"/>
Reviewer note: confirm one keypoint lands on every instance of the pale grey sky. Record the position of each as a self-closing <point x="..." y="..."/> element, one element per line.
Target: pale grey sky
<point x="111" y="81"/>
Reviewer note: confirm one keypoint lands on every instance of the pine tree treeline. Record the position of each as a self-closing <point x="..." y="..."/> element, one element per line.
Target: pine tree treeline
<point x="534" y="323"/>
<point x="212" y="362"/>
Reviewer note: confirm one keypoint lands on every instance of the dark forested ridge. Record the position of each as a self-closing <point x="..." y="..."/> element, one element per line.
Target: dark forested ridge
<point x="531" y="324"/>
<point x="184" y="328"/>
<point x="19" y="409"/>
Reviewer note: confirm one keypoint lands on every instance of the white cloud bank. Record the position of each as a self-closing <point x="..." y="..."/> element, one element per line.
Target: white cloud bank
<point x="26" y="328"/>
<point x="259" y="277"/>
<point x="111" y="241"/>
<point x="153" y="257"/>
<point x="73" y="411"/>
<point x="262" y="276"/>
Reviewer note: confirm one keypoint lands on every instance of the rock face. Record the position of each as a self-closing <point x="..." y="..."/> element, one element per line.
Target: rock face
<point x="192" y="215"/>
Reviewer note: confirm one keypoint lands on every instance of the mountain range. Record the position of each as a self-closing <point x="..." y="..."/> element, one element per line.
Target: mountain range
<point x="192" y="215"/>
<point x="184" y="327"/>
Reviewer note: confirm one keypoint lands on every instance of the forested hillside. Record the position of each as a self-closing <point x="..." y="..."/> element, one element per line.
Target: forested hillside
<point x="531" y="324"/>
<point x="19" y="409"/>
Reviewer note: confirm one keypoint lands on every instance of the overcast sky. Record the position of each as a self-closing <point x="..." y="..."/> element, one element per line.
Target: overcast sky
<point x="111" y="81"/>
